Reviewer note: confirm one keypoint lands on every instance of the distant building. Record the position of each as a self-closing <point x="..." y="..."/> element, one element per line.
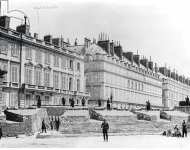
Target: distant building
<point x="122" y="77"/>
<point x="46" y="70"/>
<point x="175" y="87"/>
<point x="128" y="79"/>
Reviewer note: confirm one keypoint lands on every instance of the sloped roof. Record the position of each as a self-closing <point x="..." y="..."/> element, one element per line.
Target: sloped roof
<point x="78" y="49"/>
<point x="94" y="49"/>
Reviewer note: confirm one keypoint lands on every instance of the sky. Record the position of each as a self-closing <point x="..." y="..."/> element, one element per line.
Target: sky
<point x="156" y="28"/>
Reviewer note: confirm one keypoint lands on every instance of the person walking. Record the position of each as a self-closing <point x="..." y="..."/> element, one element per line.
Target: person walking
<point x="184" y="129"/>
<point x="105" y="128"/>
<point x="43" y="126"/>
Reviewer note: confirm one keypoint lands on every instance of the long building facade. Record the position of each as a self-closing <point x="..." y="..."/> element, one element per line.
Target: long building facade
<point x="46" y="70"/>
<point x="175" y="87"/>
<point x="120" y="77"/>
<point x="128" y="79"/>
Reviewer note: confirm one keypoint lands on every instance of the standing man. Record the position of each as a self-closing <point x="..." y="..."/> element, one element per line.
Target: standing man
<point x="105" y="127"/>
<point x="43" y="126"/>
<point x="184" y="129"/>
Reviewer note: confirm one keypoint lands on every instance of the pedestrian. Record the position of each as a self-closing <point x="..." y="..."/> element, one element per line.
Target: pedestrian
<point x="51" y="123"/>
<point x="184" y="129"/>
<point x="57" y="124"/>
<point x="1" y="133"/>
<point x="105" y="127"/>
<point x="108" y="104"/>
<point x="43" y="126"/>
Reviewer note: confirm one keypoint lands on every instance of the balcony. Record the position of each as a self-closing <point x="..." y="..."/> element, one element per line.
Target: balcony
<point x="49" y="88"/>
<point x="41" y="87"/>
<point x="14" y="84"/>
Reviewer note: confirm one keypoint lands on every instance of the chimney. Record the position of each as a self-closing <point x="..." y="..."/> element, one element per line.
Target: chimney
<point x="112" y="48"/>
<point x="105" y="45"/>
<point x="150" y="65"/>
<point x="186" y="81"/>
<point x="180" y="78"/>
<point x="136" y="59"/>
<point x="144" y="62"/>
<point x="129" y="55"/>
<point x="118" y="51"/>
<point x="168" y="72"/>
<point x="56" y="42"/>
<point x="48" y="39"/>
<point x="4" y="21"/>
<point x="36" y="35"/>
<point x="24" y="28"/>
<point x="75" y="44"/>
<point x="163" y="70"/>
<point x="87" y="42"/>
<point x="156" y="68"/>
<point x="177" y="77"/>
<point x="173" y="75"/>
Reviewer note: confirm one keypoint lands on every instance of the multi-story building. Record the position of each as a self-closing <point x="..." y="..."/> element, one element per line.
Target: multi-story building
<point x="121" y="77"/>
<point x="127" y="79"/>
<point x="175" y="87"/>
<point x="47" y="70"/>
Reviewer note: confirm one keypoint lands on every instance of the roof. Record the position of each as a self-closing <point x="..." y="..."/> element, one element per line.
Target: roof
<point x="94" y="49"/>
<point x="78" y="49"/>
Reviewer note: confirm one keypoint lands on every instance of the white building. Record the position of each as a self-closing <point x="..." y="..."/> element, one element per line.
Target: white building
<point x="47" y="69"/>
<point x="125" y="77"/>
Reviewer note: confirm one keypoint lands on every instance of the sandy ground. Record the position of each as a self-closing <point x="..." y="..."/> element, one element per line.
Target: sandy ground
<point x="132" y="141"/>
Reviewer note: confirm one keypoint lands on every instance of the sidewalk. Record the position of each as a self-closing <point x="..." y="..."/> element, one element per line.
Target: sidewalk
<point x="131" y="141"/>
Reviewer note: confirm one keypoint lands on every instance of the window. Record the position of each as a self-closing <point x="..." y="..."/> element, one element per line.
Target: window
<point x="142" y="87"/>
<point x="78" y="66"/>
<point x="14" y="74"/>
<point x="46" y="100"/>
<point x="14" y="50"/>
<point x="3" y="66"/>
<point x="28" y="75"/>
<point x="56" y="61"/>
<point x="28" y="53"/>
<point x="47" y="78"/>
<point x="63" y="63"/>
<point x="136" y="86"/>
<point x="38" y="56"/>
<point x="38" y="75"/>
<point x="47" y="59"/>
<point x="70" y="84"/>
<point x="78" y="85"/>
<point x="128" y="83"/>
<point x="132" y="84"/>
<point x="56" y="80"/>
<point x="63" y="81"/>
<point x="71" y="64"/>
<point x="3" y="47"/>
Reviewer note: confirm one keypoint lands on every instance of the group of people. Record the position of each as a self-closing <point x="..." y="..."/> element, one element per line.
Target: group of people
<point x="176" y="132"/>
<point x="54" y="123"/>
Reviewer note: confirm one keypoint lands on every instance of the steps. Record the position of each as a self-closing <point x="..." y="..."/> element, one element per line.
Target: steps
<point x="120" y="122"/>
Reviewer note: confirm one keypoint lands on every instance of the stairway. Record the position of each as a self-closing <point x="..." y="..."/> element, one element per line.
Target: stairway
<point x="121" y="123"/>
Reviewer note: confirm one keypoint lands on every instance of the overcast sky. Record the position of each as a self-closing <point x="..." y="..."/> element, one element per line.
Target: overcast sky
<point x="160" y="29"/>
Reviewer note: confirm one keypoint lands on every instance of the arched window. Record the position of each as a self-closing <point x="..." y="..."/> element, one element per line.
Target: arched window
<point x="71" y="64"/>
